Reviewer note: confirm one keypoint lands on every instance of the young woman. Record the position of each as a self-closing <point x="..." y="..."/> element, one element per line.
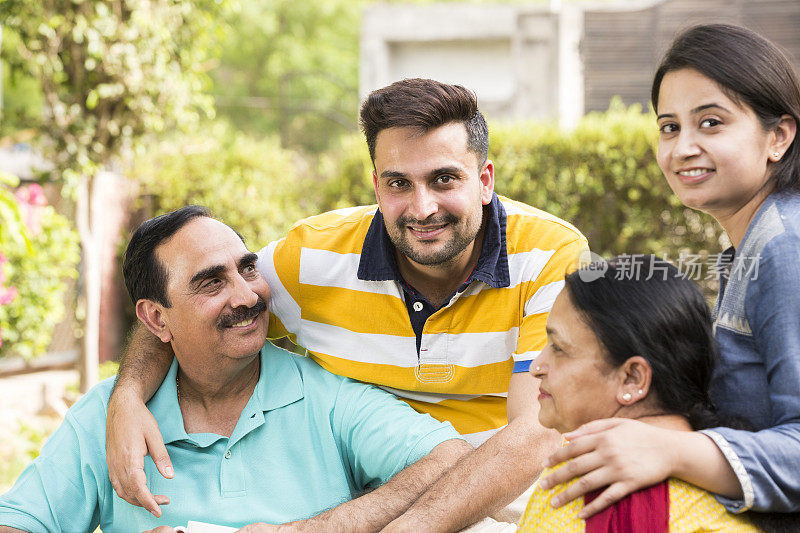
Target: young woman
<point x="637" y="347"/>
<point x="728" y="106"/>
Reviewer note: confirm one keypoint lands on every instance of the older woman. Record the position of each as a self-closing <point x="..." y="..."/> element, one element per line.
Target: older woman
<point x="728" y="105"/>
<point x="634" y="343"/>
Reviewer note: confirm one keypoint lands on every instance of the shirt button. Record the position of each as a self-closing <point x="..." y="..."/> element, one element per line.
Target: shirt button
<point x="417" y="306"/>
<point x="228" y="454"/>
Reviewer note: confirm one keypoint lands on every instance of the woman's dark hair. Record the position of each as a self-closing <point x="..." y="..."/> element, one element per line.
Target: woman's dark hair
<point x="642" y="305"/>
<point x="750" y="70"/>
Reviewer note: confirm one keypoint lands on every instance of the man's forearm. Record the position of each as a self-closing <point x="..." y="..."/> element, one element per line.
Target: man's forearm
<point x="484" y="481"/>
<point x="372" y="511"/>
<point x="6" y="529"/>
<point x="144" y="364"/>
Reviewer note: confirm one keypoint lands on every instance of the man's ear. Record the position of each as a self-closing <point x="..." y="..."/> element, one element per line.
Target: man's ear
<point x="487" y="182"/>
<point x="152" y="316"/>
<point x="636" y="379"/>
<point x="375" y="185"/>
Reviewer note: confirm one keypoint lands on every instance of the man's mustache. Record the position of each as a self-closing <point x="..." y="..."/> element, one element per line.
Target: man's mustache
<point x="240" y="314"/>
<point x="404" y="221"/>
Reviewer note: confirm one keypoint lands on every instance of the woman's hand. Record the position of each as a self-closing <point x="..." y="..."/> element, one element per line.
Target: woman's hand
<point x="620" y="454"/>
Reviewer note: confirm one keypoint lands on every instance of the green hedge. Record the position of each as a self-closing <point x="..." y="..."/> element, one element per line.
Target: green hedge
<point x="602" y="177"/>
<point x="252" y="185"/>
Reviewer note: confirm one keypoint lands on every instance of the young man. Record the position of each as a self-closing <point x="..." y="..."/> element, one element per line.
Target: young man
<point x="440" y="295"/>
<point x="255" y="432"/>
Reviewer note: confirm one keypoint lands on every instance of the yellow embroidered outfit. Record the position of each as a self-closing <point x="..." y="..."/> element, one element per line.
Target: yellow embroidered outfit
<point x="691" y="510"/>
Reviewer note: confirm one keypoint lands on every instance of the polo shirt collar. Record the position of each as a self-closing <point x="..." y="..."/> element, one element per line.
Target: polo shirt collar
<point x="378" y="261"/>
<point x="279" y="384"/>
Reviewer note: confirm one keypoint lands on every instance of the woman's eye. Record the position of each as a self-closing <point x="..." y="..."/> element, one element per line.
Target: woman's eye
<point x="668" y="128"/>
<point x="710" y="123"/>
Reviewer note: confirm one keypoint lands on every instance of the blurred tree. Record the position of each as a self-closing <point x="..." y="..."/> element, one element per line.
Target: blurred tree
<point x="111" y="72"/>
<point x="291" y="67"/>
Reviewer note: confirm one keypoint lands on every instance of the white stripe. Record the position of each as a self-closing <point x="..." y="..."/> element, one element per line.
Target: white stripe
<point x="476" y="439"/>
<point x="526" y="356"/>
<point x="526" y="266"/>
<point x="331" y="269"/>
<point x="429" y="397"/>
<point x="281" y="303"/>
<point x="542" y="300"/>
<point x="464" y="349"/>
<point x="435" y="397"/>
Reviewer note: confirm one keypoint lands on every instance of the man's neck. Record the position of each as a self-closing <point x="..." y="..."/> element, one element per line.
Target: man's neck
<point x="437" y="282"/>
<point x="212" y="401"/>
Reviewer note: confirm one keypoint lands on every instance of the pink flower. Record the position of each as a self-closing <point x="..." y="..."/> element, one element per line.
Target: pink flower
<point x="32" y="202"/>
<point x="7" y="295"/>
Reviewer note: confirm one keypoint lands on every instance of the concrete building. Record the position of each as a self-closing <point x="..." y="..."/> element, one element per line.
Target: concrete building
<point x="552" y="61"/>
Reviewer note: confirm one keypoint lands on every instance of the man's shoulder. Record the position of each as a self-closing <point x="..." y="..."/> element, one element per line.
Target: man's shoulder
<point x="94" y="401"/>
<point x="529" y="227"/>
<point x="337" y="220"/>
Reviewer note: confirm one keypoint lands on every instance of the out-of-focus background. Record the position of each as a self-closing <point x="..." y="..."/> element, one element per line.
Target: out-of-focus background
<point x="115" y="111"/>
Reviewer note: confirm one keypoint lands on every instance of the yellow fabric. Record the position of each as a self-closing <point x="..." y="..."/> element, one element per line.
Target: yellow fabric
<point x="361" y="329"/>
<point x="691" y="510"/>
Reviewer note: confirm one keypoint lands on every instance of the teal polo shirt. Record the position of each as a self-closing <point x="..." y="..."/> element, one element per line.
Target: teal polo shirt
<point x="306" y="441"/>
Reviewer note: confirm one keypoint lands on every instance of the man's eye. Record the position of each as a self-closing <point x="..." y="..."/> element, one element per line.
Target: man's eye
<point x="212" y="284"/>
<point x="397" y="184"/>
<point x="249" y="268"/>
<point x="445" y="179"/>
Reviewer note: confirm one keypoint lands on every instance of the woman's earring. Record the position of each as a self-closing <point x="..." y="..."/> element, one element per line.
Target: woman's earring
<point x="627" y="396"/>
<point x="776" y="156"/>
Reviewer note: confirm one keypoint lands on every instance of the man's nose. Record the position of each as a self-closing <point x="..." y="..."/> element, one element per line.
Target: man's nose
<point x="423" y="203"/>
<point x="242" y="294"/>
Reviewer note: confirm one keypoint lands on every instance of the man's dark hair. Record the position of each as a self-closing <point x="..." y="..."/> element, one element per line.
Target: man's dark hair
<point x="424" y="105"/>
<point x="145" y="277"/>
<point x="750" y="70"/>
<point x="659" y="314"/>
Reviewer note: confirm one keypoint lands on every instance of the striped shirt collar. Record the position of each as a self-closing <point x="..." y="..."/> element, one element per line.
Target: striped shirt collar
<point x="378" y="262"/>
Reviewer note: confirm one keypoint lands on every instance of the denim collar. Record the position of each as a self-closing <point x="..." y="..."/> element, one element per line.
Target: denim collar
<point x="378" y="261"/>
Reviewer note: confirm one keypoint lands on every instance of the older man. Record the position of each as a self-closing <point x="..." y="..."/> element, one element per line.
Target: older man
<point x="255" y="433"/>
<point x="439" y="294"/>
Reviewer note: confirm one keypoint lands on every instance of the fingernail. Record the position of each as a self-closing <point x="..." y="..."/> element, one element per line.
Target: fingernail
<point x="544" y="484"/>
<point x="582" y="515"/>
<point x="169" y="471"/>
<point x="546" y="463"/>
<point x="555" y="502"/>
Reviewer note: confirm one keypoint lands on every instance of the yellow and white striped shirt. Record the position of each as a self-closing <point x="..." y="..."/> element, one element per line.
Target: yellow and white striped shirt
<point x="361" y="329"/>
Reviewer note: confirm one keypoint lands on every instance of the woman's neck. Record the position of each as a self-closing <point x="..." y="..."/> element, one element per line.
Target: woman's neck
<point x="666" y="421"/>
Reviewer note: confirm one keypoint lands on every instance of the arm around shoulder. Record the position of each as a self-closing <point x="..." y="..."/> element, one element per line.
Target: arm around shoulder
<point x="131" y="431"/>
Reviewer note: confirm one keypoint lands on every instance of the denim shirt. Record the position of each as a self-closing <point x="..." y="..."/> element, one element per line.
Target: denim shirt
<point x="757" y="326"/>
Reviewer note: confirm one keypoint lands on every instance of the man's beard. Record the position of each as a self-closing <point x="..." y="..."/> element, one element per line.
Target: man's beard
<point x="463" y="235"/>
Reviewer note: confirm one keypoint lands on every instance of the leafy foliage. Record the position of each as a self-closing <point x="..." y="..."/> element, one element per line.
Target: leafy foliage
<point x="252" y="185"/>
<point x="291" y="67"/>
<point x="42" y="255"/>
<point x="110" y="72"/>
